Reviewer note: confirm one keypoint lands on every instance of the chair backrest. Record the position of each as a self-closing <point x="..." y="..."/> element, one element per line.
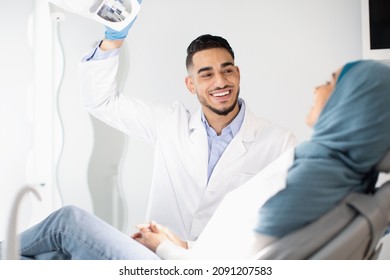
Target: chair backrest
<point x="351" y="230"/>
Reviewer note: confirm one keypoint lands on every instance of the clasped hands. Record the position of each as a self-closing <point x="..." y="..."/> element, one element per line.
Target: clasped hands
<point x="152" y="235"/>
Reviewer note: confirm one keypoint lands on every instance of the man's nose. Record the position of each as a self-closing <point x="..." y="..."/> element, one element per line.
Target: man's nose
<point x="220" y="80"/>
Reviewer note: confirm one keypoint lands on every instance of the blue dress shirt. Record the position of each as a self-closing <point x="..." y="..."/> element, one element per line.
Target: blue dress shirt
<point x="218" y="143"/>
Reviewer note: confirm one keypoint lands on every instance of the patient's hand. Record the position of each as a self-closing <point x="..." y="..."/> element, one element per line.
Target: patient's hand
<point x="152" y="234"/>
<point x="149" y="238"/>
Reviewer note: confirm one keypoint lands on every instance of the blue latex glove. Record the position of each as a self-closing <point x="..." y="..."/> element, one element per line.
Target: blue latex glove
<point x="112" y="34"/>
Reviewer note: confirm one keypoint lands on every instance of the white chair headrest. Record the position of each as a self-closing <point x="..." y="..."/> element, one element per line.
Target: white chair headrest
<point x="384" y="164"/>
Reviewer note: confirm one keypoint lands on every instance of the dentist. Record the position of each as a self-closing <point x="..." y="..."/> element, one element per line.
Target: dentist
<point x="198" y="156"/>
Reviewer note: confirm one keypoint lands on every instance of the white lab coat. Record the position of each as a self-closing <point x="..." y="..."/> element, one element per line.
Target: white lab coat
<point x="230" y="232"/>
<point x="180" y="197"/>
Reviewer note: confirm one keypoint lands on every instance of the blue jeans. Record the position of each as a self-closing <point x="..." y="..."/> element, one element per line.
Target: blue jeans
<point x="72" y="233"/>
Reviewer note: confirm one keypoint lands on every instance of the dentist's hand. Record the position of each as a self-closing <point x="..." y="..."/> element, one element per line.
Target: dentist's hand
<point x="112" y="34"/>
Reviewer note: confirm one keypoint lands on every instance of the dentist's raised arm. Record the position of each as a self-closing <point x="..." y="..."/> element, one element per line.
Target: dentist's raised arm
<point x="100" y="94"/>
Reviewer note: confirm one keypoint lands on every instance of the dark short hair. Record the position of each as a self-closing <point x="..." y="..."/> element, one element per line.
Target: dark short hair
<point x="205" y="42"/>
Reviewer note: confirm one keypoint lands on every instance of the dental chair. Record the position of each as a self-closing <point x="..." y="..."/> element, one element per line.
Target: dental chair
<point x="350" y="231"/>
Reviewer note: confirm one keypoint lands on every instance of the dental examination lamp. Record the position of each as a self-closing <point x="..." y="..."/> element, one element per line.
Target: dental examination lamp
<point x="116" y="14"/>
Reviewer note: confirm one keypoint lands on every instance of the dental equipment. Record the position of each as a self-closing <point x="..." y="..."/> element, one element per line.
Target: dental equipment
<point x="11" y="250"/>
<point x="116" y="14"/>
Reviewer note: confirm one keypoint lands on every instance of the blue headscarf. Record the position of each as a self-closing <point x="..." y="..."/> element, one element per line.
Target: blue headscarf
<point x="351" y="135"/>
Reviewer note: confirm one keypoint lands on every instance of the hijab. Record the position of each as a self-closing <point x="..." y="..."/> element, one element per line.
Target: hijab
<point x="351" y="135"/>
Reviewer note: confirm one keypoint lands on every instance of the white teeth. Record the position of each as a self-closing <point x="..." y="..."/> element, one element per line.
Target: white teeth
<point x="221" y="94"/>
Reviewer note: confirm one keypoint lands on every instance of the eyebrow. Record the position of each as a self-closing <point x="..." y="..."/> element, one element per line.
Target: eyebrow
<point x="208" y="68"/>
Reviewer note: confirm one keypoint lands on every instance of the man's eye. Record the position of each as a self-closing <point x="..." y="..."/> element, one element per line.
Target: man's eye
<point x="207" y="75"/>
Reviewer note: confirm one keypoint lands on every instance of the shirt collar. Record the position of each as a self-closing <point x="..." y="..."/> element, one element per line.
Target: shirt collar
<point x="234" y="125"/>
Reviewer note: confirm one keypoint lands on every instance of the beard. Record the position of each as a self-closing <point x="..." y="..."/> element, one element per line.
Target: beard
<point x="222" y="112"/>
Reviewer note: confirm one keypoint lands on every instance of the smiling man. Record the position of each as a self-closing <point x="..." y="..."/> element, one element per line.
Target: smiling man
<point x="215" y="79"/>
<point x="198" y="156"/>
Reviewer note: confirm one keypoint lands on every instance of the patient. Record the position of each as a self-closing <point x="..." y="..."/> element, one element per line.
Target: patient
<point x="351" y="121"/>
<point x="351" y="135"/>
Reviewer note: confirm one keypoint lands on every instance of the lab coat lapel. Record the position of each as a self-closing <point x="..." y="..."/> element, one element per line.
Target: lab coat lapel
<point x="198" y="148"/>
<point x="236" y="148"/>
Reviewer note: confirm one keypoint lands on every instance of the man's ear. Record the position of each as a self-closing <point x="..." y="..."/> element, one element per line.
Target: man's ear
<point x="239" y="74"/>
<point x="190" y="84"/>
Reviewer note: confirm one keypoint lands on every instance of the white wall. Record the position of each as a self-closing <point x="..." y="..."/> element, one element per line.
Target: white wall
<point x="15" y="126"/>
<point x="284" y="48"/>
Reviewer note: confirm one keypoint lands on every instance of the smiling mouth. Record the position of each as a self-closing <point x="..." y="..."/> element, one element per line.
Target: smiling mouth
<point x="221" y="93"/>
